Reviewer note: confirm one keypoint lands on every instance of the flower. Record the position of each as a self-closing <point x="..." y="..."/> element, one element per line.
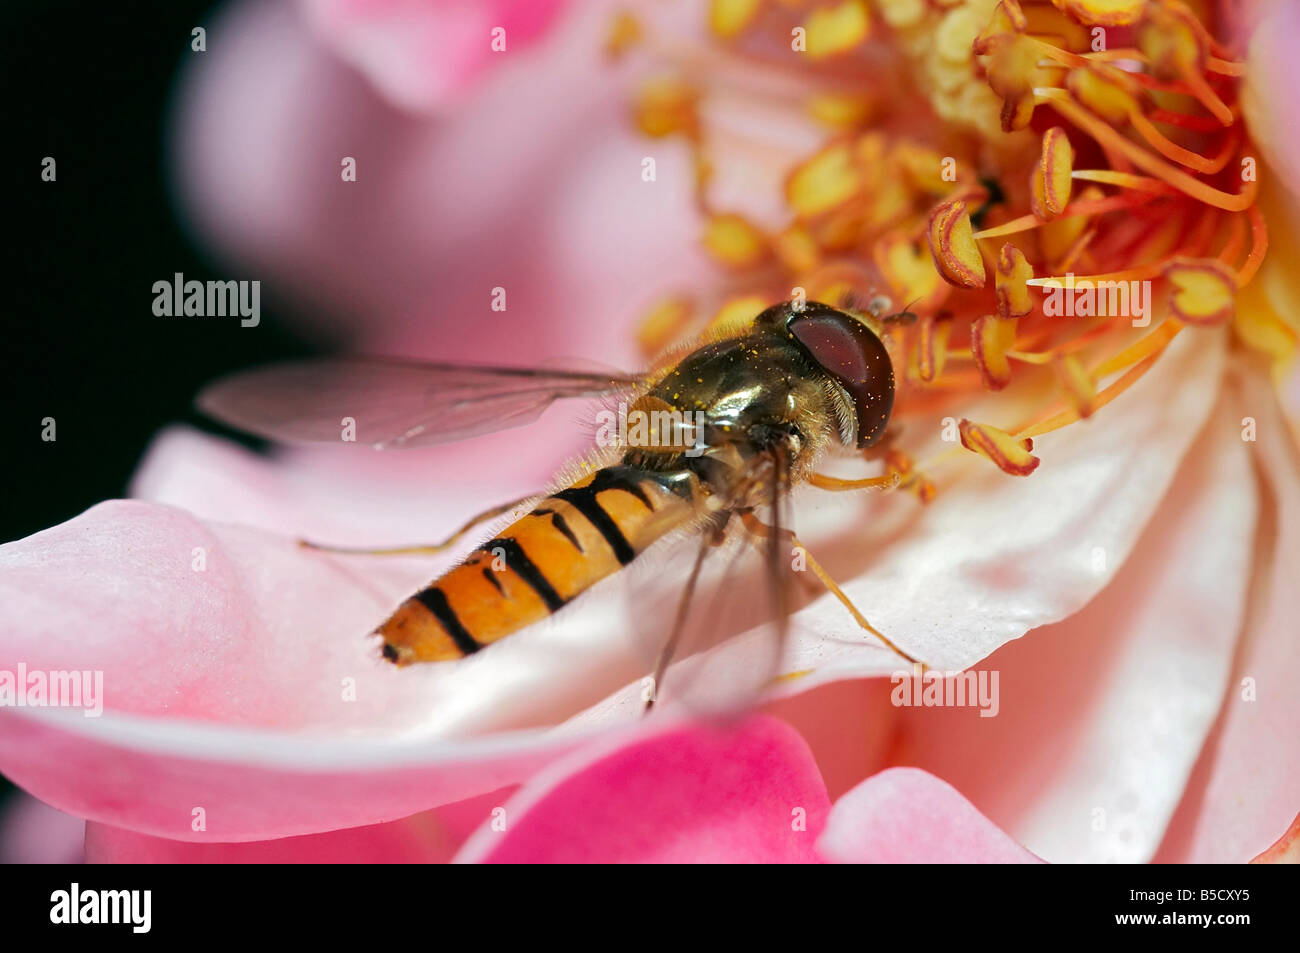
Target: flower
<point x="422" y="53"/>
<point x="1097" y="531"/>
<point x="751" y="793"/>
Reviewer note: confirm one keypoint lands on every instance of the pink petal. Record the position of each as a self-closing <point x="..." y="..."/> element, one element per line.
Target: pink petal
<point x="420" y="53"/>
<point x="151" y="775"/>
<point x="354" y="495"/>
<point x="267" y="632"/>
<point x="428" y="837"/>
<point x="232" y="679"/>
<point x="995" y="556"/>
<point x="1271" y="97"/>
<point x="689" y="793"/>
<point x="1104" y="714"/>
<point x="32" y="832"/>
<point x="1287" y="848"/>
<point x="849" y="726"/>
<point x="906" y="816"/>
<point x="532" y="183"/>
<point x="1246" y="786"/>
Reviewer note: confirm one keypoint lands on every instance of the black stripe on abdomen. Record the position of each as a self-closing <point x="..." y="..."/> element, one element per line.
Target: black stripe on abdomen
<point x="587" y="504"/>
<point x="517" y="560"/>
<point x="561" y="524"/>
<point x="583" y="499"/>
<point x="491" y="576"/>
<point x="436" y="602"/>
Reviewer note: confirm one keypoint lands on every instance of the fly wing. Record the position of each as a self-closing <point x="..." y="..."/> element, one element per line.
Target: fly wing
<point x="719" y="600"/>
<point x="392" y="403"/>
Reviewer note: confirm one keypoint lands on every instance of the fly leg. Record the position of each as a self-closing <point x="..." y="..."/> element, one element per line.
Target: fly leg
<point x="759" y="528"/>
<point x="428" y="548"/>
<point x="892" y="478"/>
<point x="886" y="482"/>
<point x="900" y="473"/>
<point x="750" y="521"/>
<point x="709" y="540"/>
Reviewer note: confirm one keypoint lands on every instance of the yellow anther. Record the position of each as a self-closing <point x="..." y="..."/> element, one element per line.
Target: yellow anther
<point x="1009" y="453"/>
<point x="828" y="179"/>
<point x="1007" y="18"/>
<point x="837" y="29"/>
<point x="931" y="347"/>
<point x="992" y="338"/>
<point x="1106" y="95"/>
<point x="910" y="271"/>
<point x="840" y="110"/>
<point x="729" y="18"/>
<point x="624" y="33"/>
<point x="665" y="323"/>
<point x="796" y="249"/>
<point x="665" y="105"/>
<point x="734" y="241"/>
<point x="1103" y="12"/>
<point x="1057" y="162"/>
<point x="1203" y="292"/>
<point x="1013" y="271"/>
<point x="952" y="244"/>
<point x="736" y="314"/>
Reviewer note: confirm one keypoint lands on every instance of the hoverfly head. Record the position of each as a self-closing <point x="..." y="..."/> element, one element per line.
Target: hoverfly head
<point x="854" y="357"/>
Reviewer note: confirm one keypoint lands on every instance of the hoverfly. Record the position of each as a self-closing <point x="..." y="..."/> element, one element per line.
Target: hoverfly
<point x="752" y="416"/>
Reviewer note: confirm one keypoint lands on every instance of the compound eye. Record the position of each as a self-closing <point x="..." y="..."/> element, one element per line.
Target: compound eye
<point x="848" y="351"/>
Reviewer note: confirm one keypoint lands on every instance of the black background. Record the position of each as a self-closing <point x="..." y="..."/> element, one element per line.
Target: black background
<point x="923" y="906"/>
<point x="91" y="85"/>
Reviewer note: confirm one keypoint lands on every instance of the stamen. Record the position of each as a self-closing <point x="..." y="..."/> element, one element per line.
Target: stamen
<point x="1137" y="273"/>
<point x="1180" y="180"/>
<point x="1225" y="67"/>
<point x="1184" y="121"/>
<point x="1125" y="180"/>
<point x="1076" y="250"/>
<point x="1208" y="97"/>
<point x="931" y="347"/>
<point x="1204" y="291"/>
<point x="1042" y="357"/>
<point x="1175" y="152"/>
<point x="1011" y="454"/>
<point x="665" y="323"/>
<point x="1104" y="397"/>
<point x="1259" y="246"/>
<point x="1029" y="222"/>
<point x="953" y="245"/>
<point x="1152" y="343"/>
<point x="991" y="340"/>
<point x="1079" y="385"/>
<point x="1011" y="280"/>
<point x="871" y="197"/>
<point x="887" y="482"/>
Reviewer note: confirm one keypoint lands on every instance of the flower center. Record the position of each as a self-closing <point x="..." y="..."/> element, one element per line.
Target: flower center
<point x="1033" y="183"/>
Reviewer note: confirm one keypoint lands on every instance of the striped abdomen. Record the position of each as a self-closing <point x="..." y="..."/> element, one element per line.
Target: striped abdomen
<point x="567" y="543"/>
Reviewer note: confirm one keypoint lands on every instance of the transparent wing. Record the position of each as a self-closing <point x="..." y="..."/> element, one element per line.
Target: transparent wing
<point x="392" y="403"/>
<point x="720" y="599"/>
